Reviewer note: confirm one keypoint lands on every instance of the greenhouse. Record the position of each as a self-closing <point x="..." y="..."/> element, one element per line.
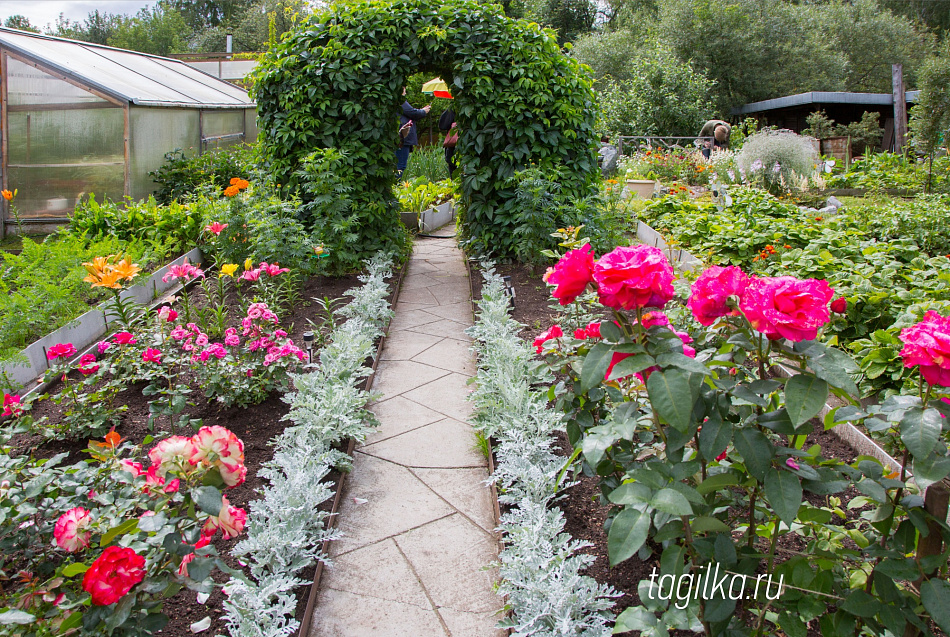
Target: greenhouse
<point x="79" y="118"/>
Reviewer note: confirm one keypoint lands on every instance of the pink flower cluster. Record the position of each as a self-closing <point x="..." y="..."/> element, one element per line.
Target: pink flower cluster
<point x="198" y="343"/>
<point x="270" y="269"/>
<point x="627" y="277"/>
<point x="779" y="307"/>
<point x="184" y="272"/>
<point x="927" y="344"/>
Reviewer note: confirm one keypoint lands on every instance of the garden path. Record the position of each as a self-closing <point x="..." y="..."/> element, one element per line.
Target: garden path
<point x="417" y="516"/>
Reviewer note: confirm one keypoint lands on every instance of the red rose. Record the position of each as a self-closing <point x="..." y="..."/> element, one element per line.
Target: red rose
<point x="839" y="305"/>
<point x="928" y="344"/>
<point x="113" y="574"/>
<point x="543" y="337"/>
<point x="711" y="292"/>
<point x="786" y="307"/>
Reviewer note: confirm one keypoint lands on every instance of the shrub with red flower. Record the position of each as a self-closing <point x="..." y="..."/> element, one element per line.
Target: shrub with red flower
<point x="12" y="405"/>
<point x="86" y="364"/>
<point x="554" y="331"/>
<point x="927" y="344"/>
<point x="572" y="274"/>
<point x="71" y="530"/>
<point x="712" y="291"/>
<point x="786" y="307"/>
<point x="634" y="277"/>
<point x="113" y="575"/>
<point x="123" y="338"/>
<point x="151" y="355"/>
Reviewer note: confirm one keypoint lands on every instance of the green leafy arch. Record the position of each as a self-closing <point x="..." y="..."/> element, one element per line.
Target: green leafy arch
<point x="336" y="82"/>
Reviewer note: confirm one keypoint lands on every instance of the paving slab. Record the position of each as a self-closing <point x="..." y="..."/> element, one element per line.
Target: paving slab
<point x="382" y="501"/>
<point x="472" y="624"/>
<point x="397" y="415"/>
<point x="403" y="345"/>
<point x="455" y="487"/>
<point x="450" y="354"/>
<point x="445" y="395"/>
<point x="459" y="312"/>
<point x="396" y="377"/>
<point x="450" y="557"/>
<point x="342" y="614"/>
<point x="377" y="570"/>
<point x="443" y="327"/>
<point x="453" y="440"/>
<point x="421" y="296"/>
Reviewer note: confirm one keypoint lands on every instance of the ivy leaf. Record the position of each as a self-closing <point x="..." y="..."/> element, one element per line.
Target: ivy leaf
<point x="627" y="534"/>
<point x="805" y="395"/>
<point x="920" y="430"/>
<point x="784" y="491"/>
<point x="672" y="397"/>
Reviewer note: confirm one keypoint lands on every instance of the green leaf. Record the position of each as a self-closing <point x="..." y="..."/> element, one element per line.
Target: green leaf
<point x="931" y="469"/>
<point x="671" y="396"/>
<point x="635" y="618"/>
<point x="627" y="534"/>
<point x="672" y="502"/>
<point x="630" y="366"/>
<point x="784" y="491"/>
<point x="74" y="620"/>
<point x="716" y="482"/>
<point x="805" y="395"/>
<point x="861" y="604"/>
<point x="208" y="499"/>
<point x="125" y="527"/>
<point x="920" y="430"/>
<point x="75" y="569"/>
<point x="756" y="451"/>
<point x="675" y="359"/>
<point x="631" y="493"/>
<point x="705" y="524"/>
<point x="610" y="331"/>
<point x="14" y="616"/>
<point x="935" y="594"/>
<point x="595" y="365"/>
<point x="715" y="436"/>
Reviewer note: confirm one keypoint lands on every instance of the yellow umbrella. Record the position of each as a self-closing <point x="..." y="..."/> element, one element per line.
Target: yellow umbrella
<point x="437" y="88"/>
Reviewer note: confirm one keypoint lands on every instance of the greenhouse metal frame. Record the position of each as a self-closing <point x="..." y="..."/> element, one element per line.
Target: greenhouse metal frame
<point x="79" y="118"/>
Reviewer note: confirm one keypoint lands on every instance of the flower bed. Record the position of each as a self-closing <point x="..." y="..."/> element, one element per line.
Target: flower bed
<point x="167" y="357"/>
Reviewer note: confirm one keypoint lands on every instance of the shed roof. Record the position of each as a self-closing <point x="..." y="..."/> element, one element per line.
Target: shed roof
<point x="820" y="97"/>
<point x="138" y="78"/>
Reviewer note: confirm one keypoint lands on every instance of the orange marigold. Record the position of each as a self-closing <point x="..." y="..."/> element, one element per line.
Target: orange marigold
<point x="230" y="191"/>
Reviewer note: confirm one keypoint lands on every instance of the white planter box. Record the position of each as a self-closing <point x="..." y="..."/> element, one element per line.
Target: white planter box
<point x="435" y="218"/>
<point x="90" y="327"/>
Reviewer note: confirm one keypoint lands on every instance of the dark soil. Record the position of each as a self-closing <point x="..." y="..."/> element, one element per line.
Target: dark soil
<point x="255" y="426"/>
<point x="585" y="514"/>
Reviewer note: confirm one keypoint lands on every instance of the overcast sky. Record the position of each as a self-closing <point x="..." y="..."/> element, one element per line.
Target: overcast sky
<point x="43" y="12"/>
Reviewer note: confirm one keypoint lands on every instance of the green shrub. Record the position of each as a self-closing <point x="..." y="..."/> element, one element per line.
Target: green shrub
<point x="180" y="175"/>
<point x="335" y="82"/>
<point x="167" y="230"/>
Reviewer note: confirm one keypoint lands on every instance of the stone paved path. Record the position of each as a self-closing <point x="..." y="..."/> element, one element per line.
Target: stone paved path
<point x="417" y="515"/>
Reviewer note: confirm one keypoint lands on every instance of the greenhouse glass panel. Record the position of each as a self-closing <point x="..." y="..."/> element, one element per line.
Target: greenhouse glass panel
<point x="62" y="142"/>
<point x="54" y="192"/>
<point x="250" y="125"/>
<point x="156" y="131"/>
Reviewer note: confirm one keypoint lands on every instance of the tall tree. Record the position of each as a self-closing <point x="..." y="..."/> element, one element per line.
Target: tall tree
<point x="20" y="22"/>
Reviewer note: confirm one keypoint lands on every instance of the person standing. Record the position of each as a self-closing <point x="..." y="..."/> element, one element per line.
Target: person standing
<point x="447" y="126"/>
<point x="719" y="131"/>
<point x="408" y="132"/>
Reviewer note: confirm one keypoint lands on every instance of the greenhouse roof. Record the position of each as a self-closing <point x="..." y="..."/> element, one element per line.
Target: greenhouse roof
<point x="818" y="97"/>
<point x="139" y="78"/>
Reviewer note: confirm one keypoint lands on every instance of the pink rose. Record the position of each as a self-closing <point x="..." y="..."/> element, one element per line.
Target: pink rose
<point x="155" y="483"/>
<point x="167" y="314"/>
<point x="231" y="520"/>
<point x="185" y="561"/>
<point x="232" y="340"/>
<point x="70" y="530"/>
<point x="927" y="344"/>
<point x="103" y="346"/>
<point x="113" y="574"/>
<point x="152" y="355"/>
<point x="650" y="319"/>
<point x="711" y="291"/>
<point x="786" y="307"/>
<point x="572" y="274"/>
<point x="60" y="350"/>
<point x="135" y="468"/>
<point x="123" y="338"/>
<point x="180" y="333"/>
<point x="791" y="464"/>
<point x="172" y="453"/>
<point x="216" y="446"/>
<point x="633" y="277"/>
<point x="554" y="332"/>
<point x="86" y="365"/>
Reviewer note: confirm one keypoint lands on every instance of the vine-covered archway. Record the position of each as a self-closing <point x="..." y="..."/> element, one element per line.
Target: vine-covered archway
<point x="336" y="82"/>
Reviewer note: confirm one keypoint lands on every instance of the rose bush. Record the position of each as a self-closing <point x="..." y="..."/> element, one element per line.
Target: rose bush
<point x="702" y="458"/>
<point x="99" y="544"/>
